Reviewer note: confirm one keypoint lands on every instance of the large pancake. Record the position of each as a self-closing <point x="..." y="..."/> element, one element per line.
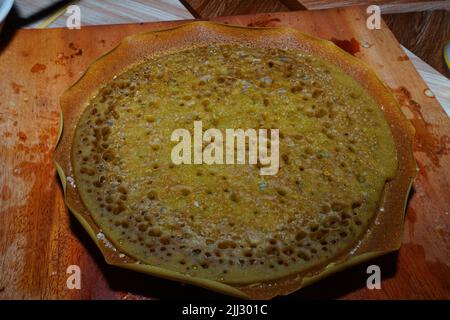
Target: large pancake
<point x="345" y="169"/>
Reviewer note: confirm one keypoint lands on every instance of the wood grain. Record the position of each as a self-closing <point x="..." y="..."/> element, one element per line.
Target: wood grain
<point x="210" y="9"/>
<point x="424" y="33"/>
<point x="39" y="239"/>
<point x="95" y="12"/>
<point x="386" y="6"/>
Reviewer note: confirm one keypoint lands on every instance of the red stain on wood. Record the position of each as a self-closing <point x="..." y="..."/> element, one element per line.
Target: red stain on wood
<point x="403" y="57"/>
<point x="38" y="67"/>
<point x="352" y="46"/>
<point x="425" y="141"/>
<point x="42" y="147"/>
<point x="61" y="59"/>
<point x="422" y="170"/>
<point x="78" y="51"/>
<point x="16" y="87"/>
<point x="6" y="193"/>
<point x="22" y="136"/>
<point x="263" y="22"/>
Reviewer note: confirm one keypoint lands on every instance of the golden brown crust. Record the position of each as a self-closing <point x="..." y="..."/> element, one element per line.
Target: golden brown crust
<point x="382" y="237"/>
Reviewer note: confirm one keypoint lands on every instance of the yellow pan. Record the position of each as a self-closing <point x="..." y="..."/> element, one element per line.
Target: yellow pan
<point x="385" y="232"/>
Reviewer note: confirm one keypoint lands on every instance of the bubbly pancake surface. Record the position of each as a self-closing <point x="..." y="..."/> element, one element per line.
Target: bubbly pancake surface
<point x="227" y="222"/>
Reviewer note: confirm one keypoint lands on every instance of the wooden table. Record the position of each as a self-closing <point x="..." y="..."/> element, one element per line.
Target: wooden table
<point x="39" y="239"/>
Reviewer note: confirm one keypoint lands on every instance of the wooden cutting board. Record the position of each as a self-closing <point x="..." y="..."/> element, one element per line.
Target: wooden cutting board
<point x="39" y="239"/>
